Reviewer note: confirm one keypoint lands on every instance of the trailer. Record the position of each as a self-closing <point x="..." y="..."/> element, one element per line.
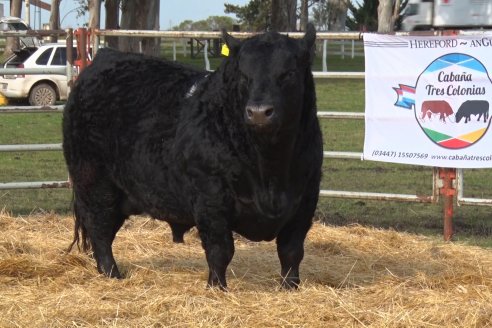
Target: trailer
<point x="421" y="15"/>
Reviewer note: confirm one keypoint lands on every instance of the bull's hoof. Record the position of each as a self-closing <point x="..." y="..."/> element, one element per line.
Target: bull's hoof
<point x="178" y="240"/>
<point x="219" y="287"/>
<point x="112" y="273"/>
<point x="291" y="283"/>
<point x="215" y="282"/>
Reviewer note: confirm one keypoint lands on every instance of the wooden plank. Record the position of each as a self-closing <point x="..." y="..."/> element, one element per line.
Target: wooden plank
<point x="41" y="4"/>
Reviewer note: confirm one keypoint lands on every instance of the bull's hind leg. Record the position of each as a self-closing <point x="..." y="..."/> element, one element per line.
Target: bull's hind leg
<point x="99" y="217"/>
<point x="178" y="230"/>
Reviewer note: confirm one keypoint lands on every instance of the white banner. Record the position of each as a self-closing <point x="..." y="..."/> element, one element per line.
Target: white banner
<point x="428" y="100"/>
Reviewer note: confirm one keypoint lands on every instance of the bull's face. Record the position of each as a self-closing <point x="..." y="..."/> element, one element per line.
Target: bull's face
<point x="272" y="70"/>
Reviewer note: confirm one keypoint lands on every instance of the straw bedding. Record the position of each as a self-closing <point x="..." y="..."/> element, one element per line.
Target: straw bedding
<point x="351" y="277"/>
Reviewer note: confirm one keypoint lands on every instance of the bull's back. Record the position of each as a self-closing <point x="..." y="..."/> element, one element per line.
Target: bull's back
<point x="474" y="107"/>
<point x="122" y="96"/>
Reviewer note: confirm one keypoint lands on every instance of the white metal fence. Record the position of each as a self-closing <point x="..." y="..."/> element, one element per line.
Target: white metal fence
<point x="352" y="37"/>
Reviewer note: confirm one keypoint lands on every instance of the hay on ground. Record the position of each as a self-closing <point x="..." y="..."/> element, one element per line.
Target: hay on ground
<point x="351" y="277"/>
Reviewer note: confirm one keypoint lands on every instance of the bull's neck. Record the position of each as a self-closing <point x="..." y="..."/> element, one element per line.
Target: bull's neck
<point x="274" y="159"/>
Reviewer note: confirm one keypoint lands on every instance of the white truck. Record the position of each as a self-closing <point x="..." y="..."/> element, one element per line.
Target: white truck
<point x="422" y="15"/>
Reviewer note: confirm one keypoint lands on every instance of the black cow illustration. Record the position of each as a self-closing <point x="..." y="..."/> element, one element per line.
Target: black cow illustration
<point x="473" y="107"/>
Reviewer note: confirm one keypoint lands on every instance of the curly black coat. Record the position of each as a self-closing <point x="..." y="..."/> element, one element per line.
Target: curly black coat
<point x="142" y="135"/>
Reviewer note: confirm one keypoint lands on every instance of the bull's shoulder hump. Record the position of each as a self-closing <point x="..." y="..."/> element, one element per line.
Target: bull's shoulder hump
<point x="107" y="57"/>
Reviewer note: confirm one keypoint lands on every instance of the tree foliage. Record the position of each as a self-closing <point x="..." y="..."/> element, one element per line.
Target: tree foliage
<point x="212" y="23"/>
<point x="254" y="16"/>
<point x="363" y="16"/>
<point x="330" y="15"/>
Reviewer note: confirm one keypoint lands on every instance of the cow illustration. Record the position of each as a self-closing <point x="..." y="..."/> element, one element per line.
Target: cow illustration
<point x="440" y="107"/>
<point x="473" y="107"/>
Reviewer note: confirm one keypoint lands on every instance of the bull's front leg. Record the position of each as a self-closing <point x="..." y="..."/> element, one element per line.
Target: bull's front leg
<point x="290" y="249"/>
<point x="290" y="243"/>
<point x="218" y="244"/>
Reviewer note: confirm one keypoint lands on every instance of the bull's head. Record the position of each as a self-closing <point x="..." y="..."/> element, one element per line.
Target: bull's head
<point x="458" y="116"/>
<point x="274" y="72"/>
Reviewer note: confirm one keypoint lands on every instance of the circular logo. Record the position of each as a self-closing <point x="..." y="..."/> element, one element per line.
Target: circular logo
<point x="452" y="101"/>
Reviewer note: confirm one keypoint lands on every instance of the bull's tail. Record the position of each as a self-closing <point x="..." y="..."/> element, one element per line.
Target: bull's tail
<point x="80" y="237"/>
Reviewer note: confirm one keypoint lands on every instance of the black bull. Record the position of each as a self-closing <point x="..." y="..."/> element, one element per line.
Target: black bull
<point x="237" y="150"/>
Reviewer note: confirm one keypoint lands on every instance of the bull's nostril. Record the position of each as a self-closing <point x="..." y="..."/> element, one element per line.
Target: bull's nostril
<point x="249" y="112"/>
<point x="269" y="112"/>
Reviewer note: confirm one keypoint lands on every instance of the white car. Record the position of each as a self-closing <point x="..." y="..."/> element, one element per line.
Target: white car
<point x="16" y="24"/>
<point x="40" y="90"/>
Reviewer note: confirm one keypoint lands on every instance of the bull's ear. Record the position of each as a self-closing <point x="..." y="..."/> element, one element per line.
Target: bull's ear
<point x="310" y="36"/>
<point x="232" y="43"/>
<point x="309" y="39"/>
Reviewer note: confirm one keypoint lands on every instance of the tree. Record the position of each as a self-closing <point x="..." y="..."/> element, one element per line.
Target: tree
<point x="304" y="12"/>
<point x="94" y="7"/>
<point x="338" y="17"/>
<point x="364" y="16"/>
<point x="389" y="14"/>
<point x="254" y="16"/>
<point x="304" y="15"/>
<point x="13" y="42"/>
<point x="212" y="23"/>
<point x="16" y="8"/>
<point x="140" y="15"/>
<point x="331" y="15"/>
<point x="55" y="17"/>
<point x="283" y="15"/>
<point x="112" y="20"/>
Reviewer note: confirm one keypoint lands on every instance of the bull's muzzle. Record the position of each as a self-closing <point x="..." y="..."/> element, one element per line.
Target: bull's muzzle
<point x="259" y="115"/>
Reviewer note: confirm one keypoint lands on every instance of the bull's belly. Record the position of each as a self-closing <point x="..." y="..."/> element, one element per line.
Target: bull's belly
<point x="258" y="221"/>
<point x="256" y="226"/>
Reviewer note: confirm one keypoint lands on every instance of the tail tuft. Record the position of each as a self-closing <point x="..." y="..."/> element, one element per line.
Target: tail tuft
<point x="80" y="237"/>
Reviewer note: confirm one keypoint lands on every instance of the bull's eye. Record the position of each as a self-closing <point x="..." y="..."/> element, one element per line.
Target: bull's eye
<point x="287" y="77"/>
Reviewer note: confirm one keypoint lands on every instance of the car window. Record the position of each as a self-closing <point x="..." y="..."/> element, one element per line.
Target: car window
<point x="44" y="57"/>
<point x="17" y="26"/>
<point x="19" y="57"/>
<point x="60" y="57"/>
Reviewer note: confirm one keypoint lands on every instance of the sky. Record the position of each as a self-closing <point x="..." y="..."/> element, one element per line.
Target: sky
<point x="172" y="12"/>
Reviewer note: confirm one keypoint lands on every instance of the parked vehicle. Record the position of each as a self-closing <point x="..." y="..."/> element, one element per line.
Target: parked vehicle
<point x="40" y="90"/>
<point x="17" y="24"/>
<point x="447" y="14"/>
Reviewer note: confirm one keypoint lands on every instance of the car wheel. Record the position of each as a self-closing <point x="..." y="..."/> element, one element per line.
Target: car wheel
<point x="42" y="95"/>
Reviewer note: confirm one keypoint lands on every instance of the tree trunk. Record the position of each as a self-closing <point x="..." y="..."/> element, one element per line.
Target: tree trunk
<point x="337" y="14"/>
<point x="12" y="43"/>
<point x="55" y="18"/>
<point x="112" y="21"/>
<point x="15" y="8"/>
<point x="385" y="16"/>
<point x="284" y="15"/>
<point x="304" y="14"/>
<point x="94" y="14"/>
<point x="140" y="15"/>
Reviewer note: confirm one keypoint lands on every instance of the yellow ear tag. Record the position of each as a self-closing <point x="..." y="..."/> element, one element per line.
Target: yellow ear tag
<point x="225" y="50"/>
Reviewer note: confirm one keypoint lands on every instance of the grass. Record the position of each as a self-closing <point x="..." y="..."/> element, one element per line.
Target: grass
<point x="472" y="223"/>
